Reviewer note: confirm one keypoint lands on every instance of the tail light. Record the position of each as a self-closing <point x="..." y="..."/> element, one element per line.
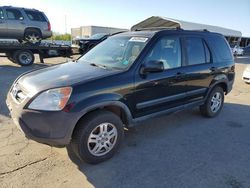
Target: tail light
<point x="49" y="26"/>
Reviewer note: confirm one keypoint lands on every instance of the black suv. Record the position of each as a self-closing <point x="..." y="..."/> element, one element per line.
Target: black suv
<point x="124" y="80"/>
<point x="86" y="44"/>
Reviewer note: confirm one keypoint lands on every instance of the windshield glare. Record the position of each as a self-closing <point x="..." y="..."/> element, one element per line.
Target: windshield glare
<point x="116" y="52"/>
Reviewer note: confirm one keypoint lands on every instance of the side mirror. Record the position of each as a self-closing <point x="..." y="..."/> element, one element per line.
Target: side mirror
<point x="152" y="67"/>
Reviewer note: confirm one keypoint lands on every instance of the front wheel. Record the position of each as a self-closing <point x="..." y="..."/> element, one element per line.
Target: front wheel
<point x="97" y="136"/>
<point x="214" y="103"/>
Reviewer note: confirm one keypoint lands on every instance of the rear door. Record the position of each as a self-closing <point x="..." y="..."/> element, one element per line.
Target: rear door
<point x="198" y="67"/>
<point x="3" y="24"/>
<point x="37" y="19"/>
<point x="156" y="92"/>
<point x="15" y="23"/>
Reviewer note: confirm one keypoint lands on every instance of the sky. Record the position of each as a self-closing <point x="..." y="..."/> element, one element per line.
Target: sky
<point x="66" y="14"/>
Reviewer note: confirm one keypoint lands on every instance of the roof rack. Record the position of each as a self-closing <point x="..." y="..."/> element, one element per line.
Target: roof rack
<point x="158" y="28"/>
<point x="167" y="28"/>
<point x="200" y="30"/>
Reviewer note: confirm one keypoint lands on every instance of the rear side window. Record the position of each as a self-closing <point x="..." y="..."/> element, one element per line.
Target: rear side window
<point x="35" y="16"/>
<point x="1" y="14"/>
<point x="196" y="51"/>
<point x="221" y="48"/>
<point x="14" y="14"/>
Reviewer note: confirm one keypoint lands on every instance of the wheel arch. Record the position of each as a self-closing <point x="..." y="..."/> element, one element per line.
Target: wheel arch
<point x="116" y="107"/>
<point x="223" y="83"/>
<point x="32" y="28"/>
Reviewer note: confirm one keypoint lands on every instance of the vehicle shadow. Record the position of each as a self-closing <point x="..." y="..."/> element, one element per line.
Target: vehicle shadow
<point x="177" y="150"/>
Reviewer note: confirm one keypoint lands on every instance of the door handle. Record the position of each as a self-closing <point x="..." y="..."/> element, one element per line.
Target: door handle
<point x="179" y="74"/>
<point x="213" y="69"/>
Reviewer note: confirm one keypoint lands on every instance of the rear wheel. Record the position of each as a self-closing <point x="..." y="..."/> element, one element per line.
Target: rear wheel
<point x="24" y="57"/>
<point x="214" y="103"/>
<point x="97" y="136"/>
<point x="33" y="36"/>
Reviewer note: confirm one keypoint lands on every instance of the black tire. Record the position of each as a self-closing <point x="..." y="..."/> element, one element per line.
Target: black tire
<point x="79" y="143"/>
<point x="21" y="41"/>
<point x="32" y="36"/>
<point x="207" y="108"/>
<point x="24" y="57"/>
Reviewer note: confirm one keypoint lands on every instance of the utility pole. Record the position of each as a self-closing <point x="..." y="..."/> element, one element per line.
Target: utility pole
<point x="65" y="24"/>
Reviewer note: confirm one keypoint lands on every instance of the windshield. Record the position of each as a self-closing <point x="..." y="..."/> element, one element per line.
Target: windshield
<point x="115" y="52"/>
<point x="98" y="36"/>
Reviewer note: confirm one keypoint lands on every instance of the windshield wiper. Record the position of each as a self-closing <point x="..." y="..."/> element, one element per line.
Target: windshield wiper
<point x="98" y="65"/>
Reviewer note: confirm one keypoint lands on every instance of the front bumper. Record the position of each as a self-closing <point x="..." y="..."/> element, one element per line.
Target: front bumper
<point x="53" y="128"/>
<point x="46" y="34"/>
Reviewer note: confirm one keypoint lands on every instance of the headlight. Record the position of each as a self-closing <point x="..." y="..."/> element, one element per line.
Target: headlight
<point x="52" y="99"/>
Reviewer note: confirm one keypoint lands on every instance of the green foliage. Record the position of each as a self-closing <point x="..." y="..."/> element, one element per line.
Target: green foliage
<point x="64" y="37"/>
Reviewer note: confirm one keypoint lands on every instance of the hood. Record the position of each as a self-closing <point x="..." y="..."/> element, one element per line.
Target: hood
<point x="61" y="75"/>
<point x="89" y="40"/>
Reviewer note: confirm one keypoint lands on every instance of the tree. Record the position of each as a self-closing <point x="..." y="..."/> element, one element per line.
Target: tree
<point x="64" y="37"/>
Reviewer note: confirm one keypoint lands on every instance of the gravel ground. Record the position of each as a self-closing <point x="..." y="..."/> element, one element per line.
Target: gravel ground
<point x="180" y="150"/>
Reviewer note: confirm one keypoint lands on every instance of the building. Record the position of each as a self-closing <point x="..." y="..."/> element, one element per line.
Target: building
<point x="233" y="36"/>
<point x="87" y="31"/>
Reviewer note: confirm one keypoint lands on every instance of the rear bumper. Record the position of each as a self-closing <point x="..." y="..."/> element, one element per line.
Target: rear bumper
<point x="230" y="86"/>
<point x="52" y="128"/>
<point x="46" y="34"/>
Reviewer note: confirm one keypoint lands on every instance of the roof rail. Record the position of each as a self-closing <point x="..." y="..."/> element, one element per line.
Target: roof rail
<point x="201" y="30"/>
<point x="158" y="28"/>
<point x="117" y="33"/>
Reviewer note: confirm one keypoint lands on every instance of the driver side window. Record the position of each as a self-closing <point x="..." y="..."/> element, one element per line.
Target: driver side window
<point x="168" y="51"/>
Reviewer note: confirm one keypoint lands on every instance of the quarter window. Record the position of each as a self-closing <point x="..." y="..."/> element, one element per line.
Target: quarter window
<point x="35" y="15"/>
<point x="14" y="14"/>
<point x="168" y="51"/>
<point x="221" y="48"/>
<point x="197" y="52"/>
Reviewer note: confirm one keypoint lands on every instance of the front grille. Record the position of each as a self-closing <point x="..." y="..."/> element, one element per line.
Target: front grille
<point x="17" y="94"/>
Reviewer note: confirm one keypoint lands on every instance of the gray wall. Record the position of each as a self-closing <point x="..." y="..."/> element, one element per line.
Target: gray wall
<point x="87" y="31"/>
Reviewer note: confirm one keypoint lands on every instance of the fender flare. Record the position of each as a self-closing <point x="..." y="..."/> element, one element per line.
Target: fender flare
<point x="215" y="82"/>
<point x="101" y="105"/>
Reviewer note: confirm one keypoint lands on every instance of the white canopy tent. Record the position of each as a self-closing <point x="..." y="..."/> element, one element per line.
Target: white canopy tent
<point x="157" y="21"/>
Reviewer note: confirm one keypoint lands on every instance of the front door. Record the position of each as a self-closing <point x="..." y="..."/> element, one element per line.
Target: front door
<point x="15" y="23"/>
<point x="3" y="24"/>
<point x="156" y="92"/>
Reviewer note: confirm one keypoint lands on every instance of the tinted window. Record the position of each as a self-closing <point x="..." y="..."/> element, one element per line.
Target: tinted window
<point x="1" y="14"/>
<point x="196" y="53"/>
<point x="168" y="51"/>
<point x="220" y="47"/>
<point x="35" y="15"/>
<point x="14" y="14"/>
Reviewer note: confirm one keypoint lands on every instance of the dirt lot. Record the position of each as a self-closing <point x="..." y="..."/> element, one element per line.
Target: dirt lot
<point x="180" y="150"/>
